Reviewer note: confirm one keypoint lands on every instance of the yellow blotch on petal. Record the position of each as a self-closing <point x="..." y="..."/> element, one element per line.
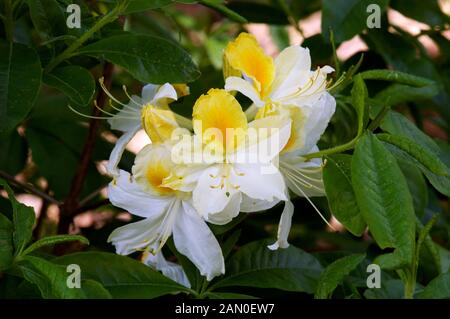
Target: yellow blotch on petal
<point x="218" y="111"/>
<point x="151" y="167"/>
<point x="158" y="123"/>
<point x="245" y="55"/>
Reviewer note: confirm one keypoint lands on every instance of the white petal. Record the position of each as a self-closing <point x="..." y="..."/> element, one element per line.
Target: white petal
<point x="149" y="92"/>
<point x="284" y="227"/>
<point x="312" y="91"/>
<point x="169" y="269"/>
<point x="119" y="148"/>
<point x="234" y="83"/>
<point x="319" y="116"/>
<point x="250" y="205"/>
<point x="126" y="194"/>
<point x="230" y="211"/>
<point x="194" y="239"/>
<point x="124" y="120"/>
<point x="208" y="196"/>
<point x="266" y="138"/>
<point x="292" y="70"/>
<point x="165" y="91"/>
<point x="259" y="182"/>
<point x="129" y="238"/>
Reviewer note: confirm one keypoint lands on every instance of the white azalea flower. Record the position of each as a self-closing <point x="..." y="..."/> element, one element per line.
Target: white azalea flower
<point x="286" y="86"/>
<point x="226" y="183"/>
<point x="150" y="111"/>
<point x="169" y="269"/>
<point x="287" y="80"/>
<point x="165" y="211"/>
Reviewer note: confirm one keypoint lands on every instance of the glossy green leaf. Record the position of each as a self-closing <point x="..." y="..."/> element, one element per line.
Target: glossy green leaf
<point x="335" y="273"/>
<point x="397" y="124"/>
<point x="23" y="220"/>
<point x="149" y="59"/>
<point x="52" y="280"/>
<point x="397" y="77"/>
<point x="346" y="17"/>
<point x="390" y="289"/>
<point x="14" y="153"/>
<point x="47" y="17"/>
<point x="359" y="95"/>
<point x="438" y="288"/>
<point x="20" y="80"/>
<point x="340" y="194"/>
<point x="421" y="154"/>
<point x="254" y="265"/>
<point x="228" y="295"/>
<point x="122" y="276"/>
<point x="53" y="240"/>
<point x="385" y="202"/>
<point x="416" y="184"/>
<point x="74" y="81"/>
<point x="6" y="243"/>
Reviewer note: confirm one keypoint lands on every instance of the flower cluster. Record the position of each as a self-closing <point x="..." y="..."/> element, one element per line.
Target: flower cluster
<point x="228" y="161"/>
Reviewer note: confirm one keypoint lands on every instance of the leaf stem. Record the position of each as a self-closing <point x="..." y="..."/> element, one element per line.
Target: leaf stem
<point x="333" y="150"/>
<point x="108" y="18"/>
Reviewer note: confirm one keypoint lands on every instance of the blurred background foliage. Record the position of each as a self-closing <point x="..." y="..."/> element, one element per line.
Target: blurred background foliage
<point x="46" y="147"/>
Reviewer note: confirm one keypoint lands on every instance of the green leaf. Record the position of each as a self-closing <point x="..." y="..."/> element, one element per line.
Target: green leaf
<point x="20" y="79"/>
<point x="340" y="194"/>
<point x="421" y="154"/>
<point x="213" y="4"/>
<point x="53" y="240"/>
<point x="390" y="289"/>
<point x="149" y="59"/>
<point x="424" y="11"/>
<point x="14" y="153"/>
<point x="359" y="96"/>
<point x="399" y="93"/>
<point x="122" y="276"/>
<point x="416" y="184"/>
<point x="6" y="244"/>
<point x="397" y="124"/>
<point x="438" y="288"/>
<point x="440" y="183"/>
<point x="74" y="81"/>
<point x="335" y="274"/>
<point x="397" y="77"/>
<point x="51" y="279"/>
<point x="229" y="244"/>
<point x="346" y="17"/>
<point x="255" y="265"/>
<point x="385" y="202"/>
<point x="144" y="5"/>
<point x="47" y="17"/>
<point x="228" y="295"/>
<point x="94" y="290"/>
<point x="23" y="220"/>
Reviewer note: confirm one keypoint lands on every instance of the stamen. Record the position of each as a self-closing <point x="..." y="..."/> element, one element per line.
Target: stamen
<point x="102" y="84"/>
<point x="124" y="88"/>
